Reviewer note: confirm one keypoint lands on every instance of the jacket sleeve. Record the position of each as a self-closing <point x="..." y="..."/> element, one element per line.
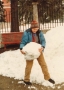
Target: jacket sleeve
<point x="24" y="40"/>
<point x="42" y="39"/>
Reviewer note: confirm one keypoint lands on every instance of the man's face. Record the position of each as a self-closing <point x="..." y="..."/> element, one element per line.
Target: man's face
<point x="34" y="30"/>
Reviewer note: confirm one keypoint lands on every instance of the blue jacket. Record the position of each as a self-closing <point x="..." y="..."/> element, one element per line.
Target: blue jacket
<point x="27" y="37"/>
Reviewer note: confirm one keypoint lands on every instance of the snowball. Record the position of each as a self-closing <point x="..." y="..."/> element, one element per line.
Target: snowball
<point x="32" y="50"/>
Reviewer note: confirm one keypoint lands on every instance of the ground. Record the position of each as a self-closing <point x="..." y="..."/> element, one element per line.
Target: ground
<point x="7" y="83"/>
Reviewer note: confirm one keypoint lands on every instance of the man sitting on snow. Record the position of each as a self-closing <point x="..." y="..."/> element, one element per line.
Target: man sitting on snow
<point x="33" y="34"/>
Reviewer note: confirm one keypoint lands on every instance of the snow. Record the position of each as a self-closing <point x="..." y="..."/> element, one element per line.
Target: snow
<point x="12" y="63"/>
<point x="30" y="52"/>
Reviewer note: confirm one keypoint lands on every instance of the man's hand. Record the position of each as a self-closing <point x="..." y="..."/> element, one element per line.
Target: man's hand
<point x="22" y="52"/>
<point x="41" y="49"/>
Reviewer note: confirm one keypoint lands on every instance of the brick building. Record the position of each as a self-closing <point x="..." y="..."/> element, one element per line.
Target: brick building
<point x="7" y="10"/>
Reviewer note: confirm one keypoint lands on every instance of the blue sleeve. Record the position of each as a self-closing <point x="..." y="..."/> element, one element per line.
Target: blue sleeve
<point x="42" y="39"/>
<point x="24" y="40"/>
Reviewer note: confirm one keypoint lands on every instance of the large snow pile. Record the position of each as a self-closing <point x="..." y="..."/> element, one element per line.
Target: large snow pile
<point x="55" y="42"/>
<point x="54" y="52"/>
<point x="31" y="50"/>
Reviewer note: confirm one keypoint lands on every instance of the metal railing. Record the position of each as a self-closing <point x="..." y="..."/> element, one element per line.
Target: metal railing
<point x="6" y="26"/>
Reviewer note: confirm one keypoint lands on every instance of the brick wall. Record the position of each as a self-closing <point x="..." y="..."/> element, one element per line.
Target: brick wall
<point x="7" y="10"/>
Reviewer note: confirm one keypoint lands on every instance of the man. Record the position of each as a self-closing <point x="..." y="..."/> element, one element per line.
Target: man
<point x="33" y="34"/>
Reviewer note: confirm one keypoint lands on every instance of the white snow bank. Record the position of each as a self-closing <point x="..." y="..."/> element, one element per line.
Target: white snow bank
<point x="55" y="42"/>
<point x="54" y="53"/>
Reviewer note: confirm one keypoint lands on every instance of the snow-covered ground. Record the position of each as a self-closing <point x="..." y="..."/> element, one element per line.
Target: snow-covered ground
<point x="12" y="63"/>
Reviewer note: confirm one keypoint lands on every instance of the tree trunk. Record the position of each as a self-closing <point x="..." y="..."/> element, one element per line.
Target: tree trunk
<point x="35" y="11"/>
<point x="14" y="16"/>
